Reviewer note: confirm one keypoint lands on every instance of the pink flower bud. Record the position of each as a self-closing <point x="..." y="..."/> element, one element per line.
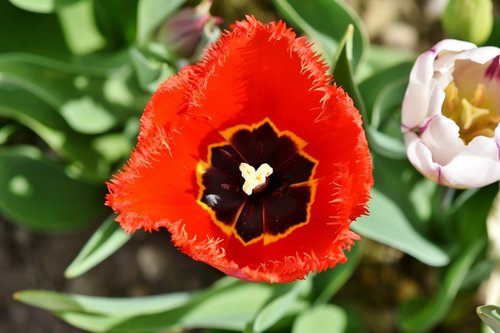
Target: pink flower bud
<point x="183" y="32"/>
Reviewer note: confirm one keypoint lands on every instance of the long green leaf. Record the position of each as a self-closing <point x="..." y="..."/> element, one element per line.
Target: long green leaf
<point x="381" y="58"/>
<point x="384" y="144"/>
<point x="49" y="84"/>
<point x="150" y="73"/>
<point x="326" y="284"/>
<point x="421" y="315"/>
<point x="490" y="314"/>
<point x="385" y="113"/>
<point x="388" y="225"/>
<point x="325" y="22"/>
<point x="87" y="116"/>
<point x="103" y="306"/>
<point x="119" y="30"/>
<point x="151" y="13"/>
<point x="97" y="111"/>
<point x="278" y="307"/>
<point x="371" y="87"/>
<point x="27" y="32"/>
<point x="101" y="65"/>
<point x="232" y="309"/>
<point x="229" y="304"/>
<point x="25" y="108"/>
<point x="103" y="243"/>
<point x="325" y="318"/>
<point x="80" y="28"/>
<point x="55" y="201"/>
<point x="343" y="70"/>
<point x="41" y="6"/>
<point x="344" y="77"/>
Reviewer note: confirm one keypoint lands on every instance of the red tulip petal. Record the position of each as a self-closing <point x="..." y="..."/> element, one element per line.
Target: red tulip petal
<point x="201" y="124"/>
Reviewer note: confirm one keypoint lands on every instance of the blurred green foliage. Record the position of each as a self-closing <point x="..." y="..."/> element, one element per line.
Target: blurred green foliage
<point x="74" y="78"/>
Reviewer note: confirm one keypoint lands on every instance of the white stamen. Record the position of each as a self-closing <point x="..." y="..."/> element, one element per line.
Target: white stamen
<point x="254" y="178"/>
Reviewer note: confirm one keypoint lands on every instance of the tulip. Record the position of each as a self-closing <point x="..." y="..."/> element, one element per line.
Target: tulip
<point x="251" y="158"/>
<point x="450" y="114"/>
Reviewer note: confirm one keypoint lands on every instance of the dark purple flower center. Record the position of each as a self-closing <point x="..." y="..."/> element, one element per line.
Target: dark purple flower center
<point x="274" y="209"/>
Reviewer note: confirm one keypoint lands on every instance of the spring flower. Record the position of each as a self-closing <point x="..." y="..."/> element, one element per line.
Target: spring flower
<point x="251" y="159"/>
<point x="183" y="32"/>
<point x="451" y="112"/>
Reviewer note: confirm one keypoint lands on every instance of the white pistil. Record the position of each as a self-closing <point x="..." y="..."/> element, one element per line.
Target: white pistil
<point x="254" y="179"/>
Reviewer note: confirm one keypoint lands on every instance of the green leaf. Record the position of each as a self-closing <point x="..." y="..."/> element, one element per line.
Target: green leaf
<point x="324" y="44"/>
<point x="371" y="87"/>
<point x="384" y="144"/>
<point x="490" y="315"/>
<point x="325" y="318"/>
<point x="388" y="225"/>
<point x="344" y="77"/>
<point x="423" y="314"/>
<point x="103" y="243"/>
<point x="27" y="32"/>
<point x="384" y="132"/>
<point x="79" y="27"/>
<point x="49" y="84"/>
<point x="55" y="201"/>
<point x="61" y="89"/>
<point x="113" y="147"/>
<point x="380" y="58"/>
<point x="41" y="6"/>
<point x="87" y="116"/>
<point x="392" y="175"/>
<point x="151" y="13"/>
<point x="231" y="310"/>
<point x="326" y="284"/>
<point x="228" y="304"/>
<point x="27" y="109"/>
<point x="122" y="92"/>
<point x="119" y="30"/>
<point x="343" y="70"/>
<point x="46" y="122"/>
<point x="469" y="221"/>
<point x="103" y="306"/>
<point x="6" y="131"/>
<point x="388" y="100"/>
<point x="278" y="307"/>
<point x="150" y="73"/>
<point x="101" y="65"/>
<point x="325" y="22"/>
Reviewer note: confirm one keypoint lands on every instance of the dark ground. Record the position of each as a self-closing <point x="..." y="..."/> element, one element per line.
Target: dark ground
<point x="148" y="264"/>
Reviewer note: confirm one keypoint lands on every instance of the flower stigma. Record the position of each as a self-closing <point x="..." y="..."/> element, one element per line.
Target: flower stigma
<point x="255" y="180"/>
<point x="472" y="115"/>
<point x="263" y="181"/>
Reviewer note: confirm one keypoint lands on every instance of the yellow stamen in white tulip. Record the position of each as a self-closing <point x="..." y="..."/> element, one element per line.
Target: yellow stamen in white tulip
<point x="470" y="114"/>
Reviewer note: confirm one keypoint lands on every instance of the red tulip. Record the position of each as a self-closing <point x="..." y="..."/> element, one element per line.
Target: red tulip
<point x="252" y="160"/>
